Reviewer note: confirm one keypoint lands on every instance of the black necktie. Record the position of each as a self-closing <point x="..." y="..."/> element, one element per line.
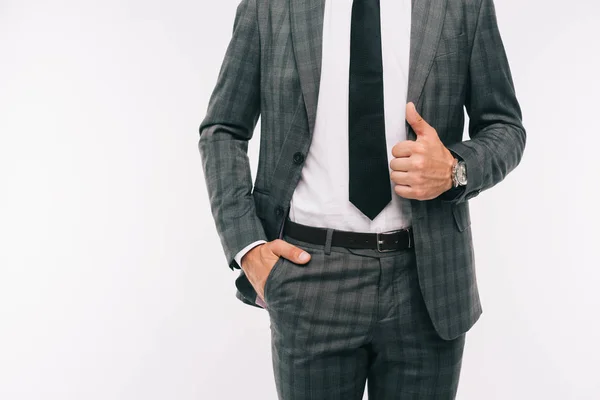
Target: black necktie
<point x="370" y="184"/>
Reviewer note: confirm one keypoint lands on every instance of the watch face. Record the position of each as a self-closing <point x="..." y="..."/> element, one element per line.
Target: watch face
<point x="461" y="174"/>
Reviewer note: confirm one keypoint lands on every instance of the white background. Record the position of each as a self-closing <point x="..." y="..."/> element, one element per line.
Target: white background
<point x="113" y="283"/>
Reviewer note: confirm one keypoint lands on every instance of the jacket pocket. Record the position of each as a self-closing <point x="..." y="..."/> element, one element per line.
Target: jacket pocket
<point x="462" y="215"/>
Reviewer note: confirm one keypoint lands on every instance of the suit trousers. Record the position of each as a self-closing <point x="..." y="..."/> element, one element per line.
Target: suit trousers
<point x="355" y="317"/>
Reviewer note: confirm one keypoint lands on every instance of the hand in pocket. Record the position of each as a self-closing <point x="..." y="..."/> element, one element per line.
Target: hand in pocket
<point x="260" y="260"/>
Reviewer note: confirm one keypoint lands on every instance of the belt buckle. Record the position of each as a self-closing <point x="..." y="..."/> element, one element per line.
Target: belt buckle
<point x="380" y="242"/>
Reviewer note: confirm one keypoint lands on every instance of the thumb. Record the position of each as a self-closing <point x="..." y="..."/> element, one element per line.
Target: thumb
<point x="419" y="125"/>
<point x="289" y="251"/>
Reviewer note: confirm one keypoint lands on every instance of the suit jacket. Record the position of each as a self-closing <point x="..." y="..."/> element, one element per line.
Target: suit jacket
<point x="272" y="69"/>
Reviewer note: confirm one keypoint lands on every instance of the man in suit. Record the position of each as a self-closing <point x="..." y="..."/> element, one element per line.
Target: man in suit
<point x="356" y="234"/>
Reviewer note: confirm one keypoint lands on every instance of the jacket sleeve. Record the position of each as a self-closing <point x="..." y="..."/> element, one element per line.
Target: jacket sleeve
<point x="497" y="136"/>
<point x="233" y="112"/>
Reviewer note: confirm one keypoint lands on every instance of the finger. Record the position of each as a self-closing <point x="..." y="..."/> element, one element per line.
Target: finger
<point x="405" y="148"/>
<point x="289" y="251"/>
<point x="405" y="192"/>
<point x="419" y="125"/>
<point x="400" y="164"/>
<point x="401" y="178"/>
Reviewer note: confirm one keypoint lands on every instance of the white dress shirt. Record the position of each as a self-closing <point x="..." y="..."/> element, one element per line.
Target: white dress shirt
<point x="321" y="196"/>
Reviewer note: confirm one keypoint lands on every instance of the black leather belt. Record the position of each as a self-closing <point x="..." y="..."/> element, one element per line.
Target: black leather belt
<point x="384" y="241"/>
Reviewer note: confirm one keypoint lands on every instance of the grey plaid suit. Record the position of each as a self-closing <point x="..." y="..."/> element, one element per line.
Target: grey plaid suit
<point x="272" y="69"/>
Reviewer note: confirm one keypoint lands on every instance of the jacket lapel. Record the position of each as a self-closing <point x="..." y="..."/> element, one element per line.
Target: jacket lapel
<point x="426" y="28"/>
<point x="306" y="17"/>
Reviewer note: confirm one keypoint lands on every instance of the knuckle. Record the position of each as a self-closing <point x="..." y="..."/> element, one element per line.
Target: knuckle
<point x="276" y="245"/>
<point x="400" y="190"/>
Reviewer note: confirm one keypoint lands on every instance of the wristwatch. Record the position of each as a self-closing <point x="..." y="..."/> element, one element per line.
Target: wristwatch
<point x="459" y="173"/>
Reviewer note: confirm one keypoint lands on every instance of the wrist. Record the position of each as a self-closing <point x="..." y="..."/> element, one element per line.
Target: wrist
<point x="453" y="190"/>
<point x="451" y="175"/>
<point x="449" y="184"/>
<point x="248" y="254"/>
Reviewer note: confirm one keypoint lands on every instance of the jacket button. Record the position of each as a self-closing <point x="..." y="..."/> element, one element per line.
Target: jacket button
<point x="279" y="211"/>
<point x="298" y="158"/>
